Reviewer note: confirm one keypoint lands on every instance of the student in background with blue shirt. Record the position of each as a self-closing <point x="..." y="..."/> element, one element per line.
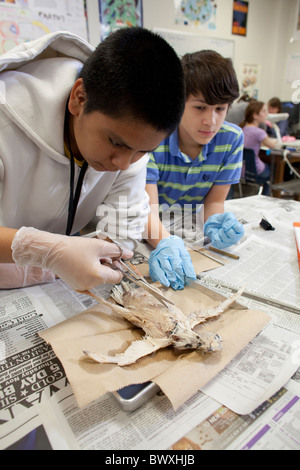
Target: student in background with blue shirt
<point x="196" y="165"/>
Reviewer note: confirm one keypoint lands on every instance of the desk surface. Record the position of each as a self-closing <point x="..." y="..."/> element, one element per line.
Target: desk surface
<point x="37" y="406"/>
<point x="292" y="145"/>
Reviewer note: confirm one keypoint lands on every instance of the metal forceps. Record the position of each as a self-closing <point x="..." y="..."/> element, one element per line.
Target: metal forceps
<point x="130" y="274"/>
<point x="139" y="280"/>
<point x="134" y="276"/>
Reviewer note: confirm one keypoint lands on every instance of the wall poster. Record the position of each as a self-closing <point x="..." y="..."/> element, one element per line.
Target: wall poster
<point x="25" y="20"/>
<point x="116" y="14"/>
<point x="199" y="13"/>
<point x="239" y="17"/>
<point x="250" y="77"/>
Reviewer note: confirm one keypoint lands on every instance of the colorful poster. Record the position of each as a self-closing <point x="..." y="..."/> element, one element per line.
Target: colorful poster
<point x="239" y="18"/>
<point x="250" y="79"/>
<point x="116" y="14"/>
<point x="199" y="13"/>
<point x="25" y="20"/>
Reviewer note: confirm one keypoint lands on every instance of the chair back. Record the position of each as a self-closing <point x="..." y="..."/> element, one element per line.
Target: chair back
<point x="250" y="166"/>
<point x="251" y="175"/>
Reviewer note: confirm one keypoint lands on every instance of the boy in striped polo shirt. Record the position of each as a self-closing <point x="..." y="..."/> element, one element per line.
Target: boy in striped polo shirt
<point x="195" y="166"/>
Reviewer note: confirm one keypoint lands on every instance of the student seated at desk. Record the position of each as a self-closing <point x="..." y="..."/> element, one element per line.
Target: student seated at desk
<point x="236" y="112"/>
<point x="196" y="165"/>
<point x="254" y="137"/>
<point x="274" y="107"/>
<point x="75" y="121"/>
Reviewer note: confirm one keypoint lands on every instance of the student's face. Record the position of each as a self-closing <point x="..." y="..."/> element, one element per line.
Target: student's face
<point x="262" y="115"/>
<point x="273" y="110"/>
<point x="200" y="121"/>
<point x="111" y="144"/>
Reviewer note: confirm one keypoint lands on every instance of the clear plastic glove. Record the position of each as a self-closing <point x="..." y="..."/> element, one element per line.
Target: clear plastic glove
<point x="76" y="260"/>
<point x="171" y="264"/>
<point x="223" y="230"/>
<point x="13" y="276"/>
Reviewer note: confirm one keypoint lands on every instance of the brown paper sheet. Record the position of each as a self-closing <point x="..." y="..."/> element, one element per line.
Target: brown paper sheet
<point x="180" y="375"/>
<point x="200" y="262"/>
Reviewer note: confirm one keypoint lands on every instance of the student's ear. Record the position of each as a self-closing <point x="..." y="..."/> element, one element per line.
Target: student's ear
<point x="77" y="98"/>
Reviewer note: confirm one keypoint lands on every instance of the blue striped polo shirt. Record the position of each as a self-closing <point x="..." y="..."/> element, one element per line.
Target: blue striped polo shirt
<point x="184" y="181"/>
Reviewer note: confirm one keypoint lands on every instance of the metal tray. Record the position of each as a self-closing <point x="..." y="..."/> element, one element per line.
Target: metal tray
<point x="134" y="396"/>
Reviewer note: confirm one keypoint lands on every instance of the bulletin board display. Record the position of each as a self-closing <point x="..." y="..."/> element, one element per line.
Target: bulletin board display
<point x="115" y="14"/>
<point x="196" y="13"/>
<point x="184" y="43"/>
<point x="25" y="20"/>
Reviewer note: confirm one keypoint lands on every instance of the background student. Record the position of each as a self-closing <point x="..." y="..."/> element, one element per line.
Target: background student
<point x="275" y="107"/>
<point x="75" y="125"/>
<point x="254" y="137"/>
<point x="236" y="111"/>
<point x="196" y="165"/>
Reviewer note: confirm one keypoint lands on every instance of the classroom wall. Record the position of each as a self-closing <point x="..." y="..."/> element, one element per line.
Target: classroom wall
<point x="289" y="48"/>
<point x="271" y="24"/>
<point x="270" y="27"/>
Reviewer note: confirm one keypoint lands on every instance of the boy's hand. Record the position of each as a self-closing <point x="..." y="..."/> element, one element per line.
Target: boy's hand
<point x="223" y="230"/>
<point x="76" y="260"/>
<point x="171" y="264"/>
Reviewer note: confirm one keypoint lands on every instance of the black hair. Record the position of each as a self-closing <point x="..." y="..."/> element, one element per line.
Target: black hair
<point x="135" y="73"/>
<point x="275" y="103"/>
<point x="211" y="74"/>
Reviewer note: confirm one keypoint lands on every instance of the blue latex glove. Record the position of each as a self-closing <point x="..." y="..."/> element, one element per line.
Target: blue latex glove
<point x="223" y="230"/>
<point x="171" y="264"/>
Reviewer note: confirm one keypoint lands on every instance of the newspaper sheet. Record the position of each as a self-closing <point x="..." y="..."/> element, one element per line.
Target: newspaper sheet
<point x="268" y="262"/>
<point x="268" y="267"/>
<point x="275" y="424"/>
<point x="265" y="364"/>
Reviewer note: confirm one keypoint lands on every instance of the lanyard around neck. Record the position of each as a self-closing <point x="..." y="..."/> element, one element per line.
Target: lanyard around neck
<point x="74" y="199"/>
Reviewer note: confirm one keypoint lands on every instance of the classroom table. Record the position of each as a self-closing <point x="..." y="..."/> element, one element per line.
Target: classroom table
<point x="278" y="165"/>
<point x="37" y="405"/>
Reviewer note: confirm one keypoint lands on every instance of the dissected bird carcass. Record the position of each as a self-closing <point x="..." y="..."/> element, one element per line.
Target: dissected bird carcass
<point x="164" y="325"/>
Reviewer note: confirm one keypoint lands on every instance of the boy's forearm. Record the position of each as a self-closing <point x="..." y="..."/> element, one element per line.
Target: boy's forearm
<point x="6" y="238"/>
<point x="155" y="230"/>
<point x="215" y="200"/>
<point x="213" y="208"/>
